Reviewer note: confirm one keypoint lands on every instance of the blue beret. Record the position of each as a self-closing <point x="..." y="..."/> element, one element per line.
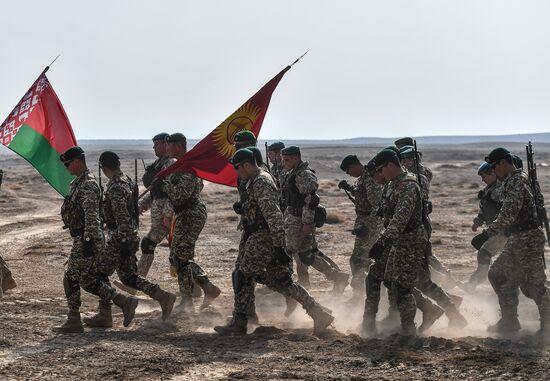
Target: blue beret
<point x="484" y="168"/>
<point x="406" y="151"/>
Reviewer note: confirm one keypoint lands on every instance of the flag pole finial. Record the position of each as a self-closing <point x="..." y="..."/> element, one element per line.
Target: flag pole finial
<point x="298" y="59"/>
<point x="48" y="67"/>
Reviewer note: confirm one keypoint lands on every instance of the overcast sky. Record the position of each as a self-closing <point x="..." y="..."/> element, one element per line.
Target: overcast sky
<point x="129" y="69"/>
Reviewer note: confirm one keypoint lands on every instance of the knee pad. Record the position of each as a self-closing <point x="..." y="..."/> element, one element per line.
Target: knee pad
<point x="148" y="246"/>
<point x="307" y="257"/>
<point x="70" y="287"/>
<point x="484" y="257"/>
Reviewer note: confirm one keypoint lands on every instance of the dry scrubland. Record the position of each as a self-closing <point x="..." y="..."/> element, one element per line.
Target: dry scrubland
<point x="186" y="347"/>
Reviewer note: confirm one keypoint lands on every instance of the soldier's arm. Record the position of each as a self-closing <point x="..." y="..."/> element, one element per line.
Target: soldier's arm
<point x="511" y="205"/>
<point x="409" y="194"/>
<point x="145" y="202"/>
<point x="89" y="195"/>
<point x="268" y="202"/>
<point x="306" y="182"/>
<point x="119" y="202"/>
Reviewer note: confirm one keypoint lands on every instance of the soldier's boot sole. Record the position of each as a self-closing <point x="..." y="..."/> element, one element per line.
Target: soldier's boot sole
<point x="235" y="327"/>
<point x="322" y="319"/>
<point x="430" y="317"/>
<point x="73" y="324"/>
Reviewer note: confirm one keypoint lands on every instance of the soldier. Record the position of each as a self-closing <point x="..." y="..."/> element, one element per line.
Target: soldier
<point x="157" y="201"/>
<point x="81" y="215"/>
<point x="366" y="195"/>
<point x="6" y="279"/>
<point x="183" y="190"/>
<point x="121" y="219"/>
<point x="301" y="199"/>
<point x="489" y="205"/>
<point x="425" y="283"/>
<point x="400" y="143"/>
<point x="403" y="233"/>
<point x="263" y="257"/>
<point x="521" y="263"/>
<point x="274" y="156"/>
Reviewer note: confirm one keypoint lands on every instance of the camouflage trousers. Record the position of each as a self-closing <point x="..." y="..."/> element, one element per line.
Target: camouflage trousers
<point x="520" y="266"/>
<point x="125" y="266"/>
<point x="373" y="285"/>
<point x="250" y="292"/>
<point x="258" y="264"/>
<point x="160" y="209"/>
<point x="82" y="272"/>
<point x="403" y="267"/>
<point x="429" y="288"/>
<point x="304" y="250"/>
<point x="188" y="227"/>
<point x="359" y="261"/>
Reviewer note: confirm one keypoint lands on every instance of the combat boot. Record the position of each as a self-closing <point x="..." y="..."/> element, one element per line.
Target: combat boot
<point x="430" y="314"/>
<point x="166" y="301"/>
<point x="128" y="305"/>
<point x="408" y="328"/>
<point x="456" y="320"/>
<point x="186" y="304"/>
<point x="8" y="282"/>
<point x="211" y="292"/>
<point x="456" y="300"/>
<point x="72" y="325"/>
<point x="392" y="319"/>
<point x="478" y="277"/>
<point x="291" y="305"/>
<point x="235" y="327"/>
<point x="144" y="264"/>
<point x="368" y="326"/>
<point x="321" y="318"/>
<point x="103" y="318"/>
<point x="341" y="281"/>
<point x="508" y="323"/>
<point x="251" y="315"/>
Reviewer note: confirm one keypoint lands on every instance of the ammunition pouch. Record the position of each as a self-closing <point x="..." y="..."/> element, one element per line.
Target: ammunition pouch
<point x="185" y="205"/>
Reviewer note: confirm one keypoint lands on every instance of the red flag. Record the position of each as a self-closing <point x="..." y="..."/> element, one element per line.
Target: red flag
<point x="209" y="158"/>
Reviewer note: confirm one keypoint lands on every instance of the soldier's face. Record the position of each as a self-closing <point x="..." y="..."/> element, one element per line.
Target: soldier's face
<point x="355" y="170"/>
<point x="407" y="162"/>
<point x="378" y="178"/>
<point x="488" y="177"/>
<point x="290" y="162"/>
<point x="273" y="156"/>
<point x="175" y="150"/>
<point x="159" y="146"/>
<point x="500" y="169"/>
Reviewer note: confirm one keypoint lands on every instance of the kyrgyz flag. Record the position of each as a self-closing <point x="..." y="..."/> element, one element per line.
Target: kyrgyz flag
<point x="209" y="158"/>
<point x="38" y="130"/>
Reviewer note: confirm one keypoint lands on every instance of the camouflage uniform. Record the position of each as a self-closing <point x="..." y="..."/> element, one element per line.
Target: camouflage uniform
<point x="161" y="209"/>
<point x="263" y="231"/>
<point x="278" y="172"/>
<point x="404" y="230"/>
<point x="299" y="196"/>
<point x="183" y="190"/>
<point x="119" y="213"/>
<point x="367" y="228"/>
<point x="521" y="263"/>
<point x="80" y="213"/>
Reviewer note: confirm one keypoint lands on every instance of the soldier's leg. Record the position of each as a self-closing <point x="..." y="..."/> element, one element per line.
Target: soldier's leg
<point x="430" y="311"/>
<point x="358" y="263"/>
<point x="294" y="244"/>
<point x="158" y="231"/>
<point x="503" y="276"/>
<point x="406" y="303"/>
<point x="372" y="301"/>
<point x="490" y="249"/>
<point x="251" y="314"/>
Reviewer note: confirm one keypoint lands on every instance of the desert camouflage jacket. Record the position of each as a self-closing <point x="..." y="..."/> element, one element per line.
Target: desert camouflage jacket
<point x="367" y="194"/>
<point x="489" y="202"/>
<point x="306" y="185"/>
<point x="159" y="164"/>
<point x="80" y="210"/>
<point x="261" y="205"/>
<point x="118" y="207"/>
<point x="182" y="187"/>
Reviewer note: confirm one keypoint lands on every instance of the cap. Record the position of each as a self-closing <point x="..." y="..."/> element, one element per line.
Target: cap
<point x="277" y="146"/>
<point x="497" y="154"/>
<point x="484" y="168"/>
<point x="384" y="157"/>
<point x="371" y="167"/>
<point x="244" y="136"/>
<point x="177" y="137"/>
<point x="349" y="160"/>
<point x="161" y="136"/>
<point x="243" y="155"/>
<point x="291" y="150"/>
<point x="404" y="142"/>
<point x="109" y="159"/>
<point x="71" y="154"/>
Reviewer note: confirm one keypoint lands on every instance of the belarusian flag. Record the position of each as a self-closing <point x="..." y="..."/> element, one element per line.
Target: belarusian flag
<point x="39" y="131"/>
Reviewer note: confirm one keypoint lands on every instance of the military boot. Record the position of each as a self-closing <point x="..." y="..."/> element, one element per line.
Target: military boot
<point x="251" y="315"/>
<point x="211" y="292"/>
<point x="430" y="314"/>
<point x="456" y="300"/>
<point x="456" y="319"/>
<point x="341" y="281"/>
<point x="392" y="318"/>
<point x="103" y="318"/>
<point x="186" y="304"/>
<point x="144" y="264"/>
<point x="368" y="326"/>
<point x="128" y="305"/>
<point x="166" y="301"/>
<point x="8" y="282"/>
<point x="508" y="323"/>
<point x="291" y="305"/>
<point x="478" y="277"/>
<point x="408" y="328"/>
<point x="72" y="325"/>
<point x="235" y="327"/>
<point x="321" y="318"/>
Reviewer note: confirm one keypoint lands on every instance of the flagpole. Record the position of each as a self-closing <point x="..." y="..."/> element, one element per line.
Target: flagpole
<point x="48" y="67"/>
<point x="298" y="59"/>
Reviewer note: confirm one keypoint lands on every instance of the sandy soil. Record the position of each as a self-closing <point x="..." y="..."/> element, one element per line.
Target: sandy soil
<point x="186" y="347"/>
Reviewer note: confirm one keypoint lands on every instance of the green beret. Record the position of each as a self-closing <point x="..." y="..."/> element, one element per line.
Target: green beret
<point x="71" y="154"/>
<point x="292" y="150"/>
<point x="404" y="142"/>
<point x="175" y="138"/>
<point x="371" y="167"/>
<point x="277" y="146"/>
<point x="244" y="136"/>
<point x="518" y="163"/>
<point x="257" y="155"/>
<point x="497" y="154"/>
<point x="244" y="155"/>
<point x="348" y="160"/>
<point x="406" y="151"/>
<point x="109" y="159"/>
<point x="384" y="156"/>
<point x="161" y="136"/>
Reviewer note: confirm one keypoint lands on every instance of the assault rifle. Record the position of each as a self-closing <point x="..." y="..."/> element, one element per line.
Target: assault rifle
<point x="542" y="217"/>
<point x="275" y="177"/>
<point x="135" y="194"/>
<point x="425" y="203"/>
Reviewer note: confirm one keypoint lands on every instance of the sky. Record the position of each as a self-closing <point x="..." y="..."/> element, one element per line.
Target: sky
<point x="385" y="68"/>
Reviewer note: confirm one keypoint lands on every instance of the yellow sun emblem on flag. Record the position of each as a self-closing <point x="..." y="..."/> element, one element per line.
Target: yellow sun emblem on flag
<point x="242" y="119"/>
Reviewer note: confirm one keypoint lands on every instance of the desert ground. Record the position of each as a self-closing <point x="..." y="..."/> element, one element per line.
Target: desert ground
<point x="186" y="347"/>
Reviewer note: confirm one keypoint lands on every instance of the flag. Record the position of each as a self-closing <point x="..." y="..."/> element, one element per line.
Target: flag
<point x="39" y="131"/>
<point x="209" y="158"/>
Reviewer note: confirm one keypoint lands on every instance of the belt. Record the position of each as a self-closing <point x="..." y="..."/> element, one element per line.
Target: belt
<point x="188" y="204"/>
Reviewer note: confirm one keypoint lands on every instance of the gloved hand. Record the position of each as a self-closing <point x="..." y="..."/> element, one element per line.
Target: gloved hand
<point x="377" y="250"/>
<point x="238" y="207"/>
<point x="88" y="249"/>
<point x="344" y="185"/>
<point x="125" y="249"/>
<point x="282" y="256"/>
<point x="480" y="239"/>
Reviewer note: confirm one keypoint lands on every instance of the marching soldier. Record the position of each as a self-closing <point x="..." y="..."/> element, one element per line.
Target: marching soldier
<point x="183" y="190"/>
<point x="489" y="205"/>
<point x="262" y="256"/>
<point x="366" y="194"/>
<point x="80" y="214"/>
<point x="121" y="219"/>
<point x="521" y="263"/>
<point x="274" y="156"/>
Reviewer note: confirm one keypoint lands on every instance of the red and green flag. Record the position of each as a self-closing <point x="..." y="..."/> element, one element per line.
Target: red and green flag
<point x="209" y="158"/>
<point x="39" y="131"/>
